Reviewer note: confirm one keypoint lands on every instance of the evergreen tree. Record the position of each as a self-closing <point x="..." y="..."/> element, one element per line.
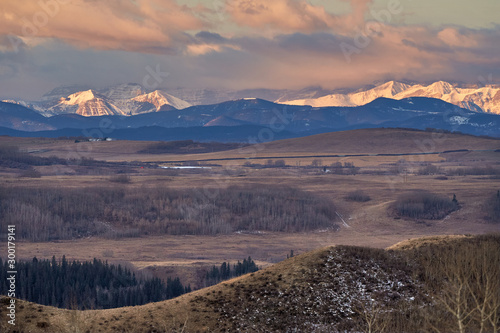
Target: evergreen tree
<point x="87" y="285"/>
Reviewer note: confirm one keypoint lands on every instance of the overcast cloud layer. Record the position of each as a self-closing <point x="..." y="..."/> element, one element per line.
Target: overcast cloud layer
<point x="241" y="44"/>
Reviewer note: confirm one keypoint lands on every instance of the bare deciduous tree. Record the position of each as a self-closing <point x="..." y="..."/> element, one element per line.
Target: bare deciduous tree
<point x="373" y="315"/>
<point x="471" y="293"/>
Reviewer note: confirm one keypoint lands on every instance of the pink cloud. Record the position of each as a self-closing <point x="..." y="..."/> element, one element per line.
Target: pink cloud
<point x="116" y="24"/>
<point x="403" y="53"/>
<point x="453" y="37"/>
<point x="293" y="15"/>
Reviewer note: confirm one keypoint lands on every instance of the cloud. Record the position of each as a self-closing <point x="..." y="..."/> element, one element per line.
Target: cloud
<point x="10" y="43"/>
<point x="274" y="44"/>
<point x="454" y="38"/>
<point x="297" y="60"/>
<point x="141" y="25"/>
<point x="294" y="15"/>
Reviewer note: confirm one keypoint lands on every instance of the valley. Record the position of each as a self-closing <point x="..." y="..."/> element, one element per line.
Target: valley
<point x="382" y="177"/>
<point x="355" y="178"/>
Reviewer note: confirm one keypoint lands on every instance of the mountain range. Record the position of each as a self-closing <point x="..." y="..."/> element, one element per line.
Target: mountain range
<point x="479" y="99"/>
<point x="124" y="100"/>
<point x="132" y="99"/>
<point x="249" y="119"/>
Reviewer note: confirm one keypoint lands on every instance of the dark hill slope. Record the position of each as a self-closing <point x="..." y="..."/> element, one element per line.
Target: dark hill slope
<point x="336" y="289"/>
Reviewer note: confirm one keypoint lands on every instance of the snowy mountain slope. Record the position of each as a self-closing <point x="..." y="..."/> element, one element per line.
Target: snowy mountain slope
<point x="19" y="117"/>
<point x="122" y="96"/>
<point x="159" y="98"/>
<point x="484" y="99"/>
<point x="57" y="93"/>
<point x="413" y="112"/>
<point x="122" y="100"/>
<point x="86" y="103"/>
<point x="388" y="90"/>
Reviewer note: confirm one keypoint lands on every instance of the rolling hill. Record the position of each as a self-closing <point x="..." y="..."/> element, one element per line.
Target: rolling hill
<point x="334" y="289"/>
<point x="380" y="141"/>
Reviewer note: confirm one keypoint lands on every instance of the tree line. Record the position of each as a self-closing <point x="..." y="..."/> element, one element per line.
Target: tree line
<point x="48" y="213"/>
<point x="225" y="272"/>
<point x="14" y="158"/>
<point x="425" y="205"/>
<point x="86" y="285"/>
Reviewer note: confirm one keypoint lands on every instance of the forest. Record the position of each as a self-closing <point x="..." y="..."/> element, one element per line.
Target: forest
<point x="86" y="285"/>
<point x="44" y="214"/>
<point x="99" y="285"/>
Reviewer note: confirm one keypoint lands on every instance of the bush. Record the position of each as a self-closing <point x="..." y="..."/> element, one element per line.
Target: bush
<point x="358" y="196"/>
<point x="474" y="171"/>
<point x="275" y="164"/>
<point x="425" y="205"/>
<point x="492" y="207"/>
<point x="429" y="170"/>
<point x="122" y="179"/>
<point x="30" y="173"/>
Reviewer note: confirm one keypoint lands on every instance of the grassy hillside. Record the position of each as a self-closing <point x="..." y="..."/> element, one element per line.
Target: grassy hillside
<point x="409" y="287"/>
<point x="362" y="141"/>
<point x="382" y="141"/>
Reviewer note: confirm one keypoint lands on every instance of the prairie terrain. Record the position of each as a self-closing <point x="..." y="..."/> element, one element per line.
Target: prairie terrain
<point x="383" y="164"/>
<point x="332" y="289"/>
<point x="382" y="178"/>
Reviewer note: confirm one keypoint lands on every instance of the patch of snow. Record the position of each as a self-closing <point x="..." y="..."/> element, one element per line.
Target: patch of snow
<point x="459" y="120"/>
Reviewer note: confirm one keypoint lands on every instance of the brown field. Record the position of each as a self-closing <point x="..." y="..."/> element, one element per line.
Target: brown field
<point x="210" y="309"/>
<point x="366" y="223"/>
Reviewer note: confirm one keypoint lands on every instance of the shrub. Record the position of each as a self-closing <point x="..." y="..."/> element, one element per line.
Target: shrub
<point x="425" y="205"/>
<point x="280" y="164"/>
<point x="275" y="164"/>
<point x="316" y="162"/>
<point x="429" y="170"/>
<point x="30" y="173"/>
<point x="474" y="171"/>
<point x="358" y="196"/>
<point x="492" y="207"/>
<point x="122" y="179"/>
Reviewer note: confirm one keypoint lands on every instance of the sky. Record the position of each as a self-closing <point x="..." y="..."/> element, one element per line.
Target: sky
<point x="245" y="44"/>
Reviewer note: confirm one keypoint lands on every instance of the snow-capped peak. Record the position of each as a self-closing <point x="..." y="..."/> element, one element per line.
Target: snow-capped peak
<point x="391" y="88"/>
<point x="159" y="98"/>
<point x="484" y="99"/>
<point x="441" y="87"/>
<point x="80" y="97"/>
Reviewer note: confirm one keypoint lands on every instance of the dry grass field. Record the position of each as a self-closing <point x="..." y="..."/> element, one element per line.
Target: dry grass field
<point x="300" y="293"/>
<point x="371" y="223"/>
